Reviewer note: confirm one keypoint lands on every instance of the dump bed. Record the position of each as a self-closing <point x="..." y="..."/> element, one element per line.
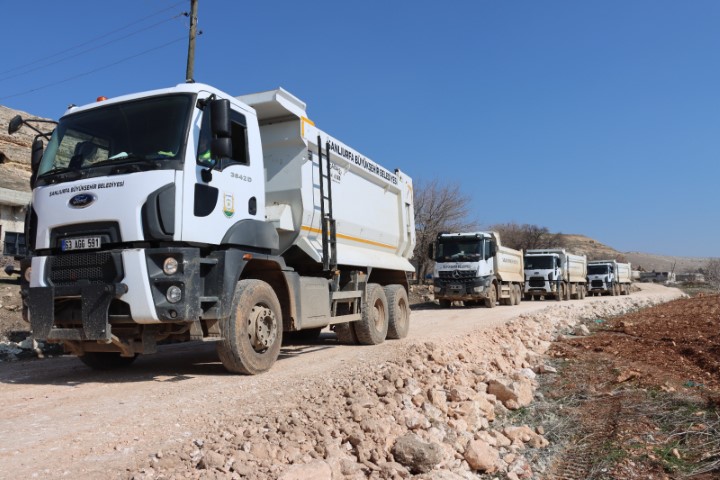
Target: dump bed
<point x="372" y="205"/>
<point x="576" y="268"/>
<point x="509" y="264"/>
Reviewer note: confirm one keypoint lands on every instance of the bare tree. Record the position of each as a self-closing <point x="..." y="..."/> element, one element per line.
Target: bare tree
<point x="439" y="207"/>
<point x="712" y="270"/>
<point x="526" y="236"/>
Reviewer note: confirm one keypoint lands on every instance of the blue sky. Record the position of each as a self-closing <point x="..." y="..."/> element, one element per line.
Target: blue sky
<point x="596" y="117"/>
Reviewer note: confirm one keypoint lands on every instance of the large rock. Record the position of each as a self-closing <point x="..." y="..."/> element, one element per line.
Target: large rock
<point x="512" y="393"/>
<point x="481" y="456"/>
<point x="416" y="455"/>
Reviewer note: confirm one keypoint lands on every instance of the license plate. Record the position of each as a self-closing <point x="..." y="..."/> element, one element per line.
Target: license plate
<point x="456" y="287"/>
<point x="80" y="243"/>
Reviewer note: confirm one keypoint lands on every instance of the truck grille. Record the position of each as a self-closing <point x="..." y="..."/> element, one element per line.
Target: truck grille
<point x="97" y="268"/>
<point x="537" y="282"/>
<point x="457" y="274"/>
<point x="597" y="283"/>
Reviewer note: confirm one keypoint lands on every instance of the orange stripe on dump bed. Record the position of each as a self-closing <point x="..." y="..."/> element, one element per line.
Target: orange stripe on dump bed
<point x="348" y="237"/>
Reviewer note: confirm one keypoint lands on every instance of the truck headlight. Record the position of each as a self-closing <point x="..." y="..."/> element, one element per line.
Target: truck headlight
<point x="478" y="289"/>
<point x="170" y="266"/>
<point x="173" y="294"/>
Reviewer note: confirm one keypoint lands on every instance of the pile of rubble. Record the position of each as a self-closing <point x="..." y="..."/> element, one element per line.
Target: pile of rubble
<point x="439" y="411"/>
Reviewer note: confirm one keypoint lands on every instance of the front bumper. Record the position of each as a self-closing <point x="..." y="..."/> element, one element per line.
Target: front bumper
<point x="462" y="289"/>
<point x="74" y="296"/>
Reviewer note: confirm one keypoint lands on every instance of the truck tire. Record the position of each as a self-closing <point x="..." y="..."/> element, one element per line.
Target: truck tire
<point x="398" y="311"/>
<point x="518" y="294"/>
<point x="582" y="292"/>
<point x="613" y="289"/>
<point x="106" y="360"/>
<point x="252" y="333"/>
<point x="560" y="294"/>
<point x="568" y="292"/>
<point x="492" y="297"/>
<point x="372" y="328"/>
<point x="444" y="303"/>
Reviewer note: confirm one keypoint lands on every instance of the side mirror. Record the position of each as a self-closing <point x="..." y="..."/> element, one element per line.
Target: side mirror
<point x="15" y="123"/>
<point x="493" y="249"/>
<point x="431" y="251"/>
<point x="220" y="118"/>
<point x="221" y="148"/>
<point x="36" y="154"/>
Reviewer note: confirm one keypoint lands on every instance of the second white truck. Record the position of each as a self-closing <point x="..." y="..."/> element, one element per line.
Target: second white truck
<point x="475" y="268"/>
<point x="554" y="272"/>
<point x="609" y="277"/>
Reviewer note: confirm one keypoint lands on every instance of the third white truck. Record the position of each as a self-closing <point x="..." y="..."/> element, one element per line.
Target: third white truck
<point x="556" y="273"/>
<point x="609" y="277"/>
<point x="475" y="268"/>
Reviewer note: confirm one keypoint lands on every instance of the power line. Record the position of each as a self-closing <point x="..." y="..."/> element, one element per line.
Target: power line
<point x="82" y="44"/>
<point x="105" y="67"/>
<point x="96" y="47"/>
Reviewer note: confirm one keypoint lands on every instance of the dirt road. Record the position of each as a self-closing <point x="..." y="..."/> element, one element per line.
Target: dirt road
<point x="62" y="420"/>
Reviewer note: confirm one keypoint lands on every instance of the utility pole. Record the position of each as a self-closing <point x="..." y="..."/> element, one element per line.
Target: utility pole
<point x="189" y="72"/>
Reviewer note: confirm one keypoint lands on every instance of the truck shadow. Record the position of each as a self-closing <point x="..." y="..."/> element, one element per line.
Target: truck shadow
<point x="172" y="363"/>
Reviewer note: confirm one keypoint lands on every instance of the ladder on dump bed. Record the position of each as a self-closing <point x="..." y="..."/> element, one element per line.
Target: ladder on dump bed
<point x="329" y="234"/>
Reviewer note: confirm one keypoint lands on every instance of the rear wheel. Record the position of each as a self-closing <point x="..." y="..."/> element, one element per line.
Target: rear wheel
<point x="518" y="294"/>
<point x="398" y="311"/>
<point x="106" y="360"/>
<point x="252" y="333"/>
<point x="373" y="327"/>
<point x="492" y="297"/>
<point x="568" y="291"/>
<point x="560" y="294"/>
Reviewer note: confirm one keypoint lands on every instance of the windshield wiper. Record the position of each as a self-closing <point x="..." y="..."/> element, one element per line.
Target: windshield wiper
<point x="63" y="173"/>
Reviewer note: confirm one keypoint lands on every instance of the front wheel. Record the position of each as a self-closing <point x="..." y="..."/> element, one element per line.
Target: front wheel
<point x="252" y="333"/>
<point x="491" y="300"/>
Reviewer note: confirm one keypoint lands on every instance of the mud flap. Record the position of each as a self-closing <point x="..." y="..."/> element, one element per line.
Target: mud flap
<point x="95" y="303"/>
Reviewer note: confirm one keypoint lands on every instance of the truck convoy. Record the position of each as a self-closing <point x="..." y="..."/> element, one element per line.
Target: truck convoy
<point x="609" y="276"/>
<point x="553" y="272"/>
<point x="186" y="213"/>
<point x="474" y="267"/>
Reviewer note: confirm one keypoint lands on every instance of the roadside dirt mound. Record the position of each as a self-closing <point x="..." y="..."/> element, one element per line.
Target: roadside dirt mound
<point x="641" y="395"/>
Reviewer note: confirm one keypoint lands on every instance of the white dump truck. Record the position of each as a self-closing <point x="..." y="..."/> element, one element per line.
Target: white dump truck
<point x="475" y="268"/>
<point x="186" y="214"/>
<point x="556" y="273"/>
<point x="609" y="277"/>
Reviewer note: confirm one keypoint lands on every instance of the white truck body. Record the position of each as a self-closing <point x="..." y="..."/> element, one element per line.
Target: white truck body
<point x="555" y="272"/>
<point x="473" y="267"/>
<point x="609" y="277"/>
<point x="115" y="198"/>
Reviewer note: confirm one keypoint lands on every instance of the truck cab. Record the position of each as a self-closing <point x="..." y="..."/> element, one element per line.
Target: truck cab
<point x="474" y="268"/>
<point x="543" y="275"/>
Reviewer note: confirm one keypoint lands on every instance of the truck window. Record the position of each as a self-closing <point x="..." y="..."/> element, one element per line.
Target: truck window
<point x="238" y="134"/>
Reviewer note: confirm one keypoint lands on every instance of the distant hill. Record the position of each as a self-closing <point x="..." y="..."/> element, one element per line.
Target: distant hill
<point x="595" y="250"/>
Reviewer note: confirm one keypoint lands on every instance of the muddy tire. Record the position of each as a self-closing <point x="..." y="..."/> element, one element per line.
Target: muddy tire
<point x="106" y="360"/>
<point x="518" y="294"/>
<point x="560" y="292"/>
<point x="398" y="312"/>
<point x="492" y="297"/>
<point x="252" y="333"/>
<point x="372" y="328"/>
<point x="568" y="291"/>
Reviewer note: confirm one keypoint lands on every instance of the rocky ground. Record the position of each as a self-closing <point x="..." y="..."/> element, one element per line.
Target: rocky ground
<point x="510" y="400"/>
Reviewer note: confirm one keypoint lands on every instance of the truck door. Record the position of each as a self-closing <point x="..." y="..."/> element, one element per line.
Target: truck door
<point x="220" y="193"/>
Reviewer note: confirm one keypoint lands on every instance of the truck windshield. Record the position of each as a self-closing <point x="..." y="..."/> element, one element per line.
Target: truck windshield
<point x="118" y="138"/>
<point x="597" y="269"/>
<point x="546" y="262"/>
<point x="459" y="250"/>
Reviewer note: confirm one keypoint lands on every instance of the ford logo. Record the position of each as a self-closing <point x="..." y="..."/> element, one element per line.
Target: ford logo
<point x="82" y="200"/>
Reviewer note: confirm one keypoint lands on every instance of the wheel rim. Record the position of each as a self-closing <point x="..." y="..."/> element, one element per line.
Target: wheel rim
<point x="262" y="328"/>
<point x="379" y="314"/>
